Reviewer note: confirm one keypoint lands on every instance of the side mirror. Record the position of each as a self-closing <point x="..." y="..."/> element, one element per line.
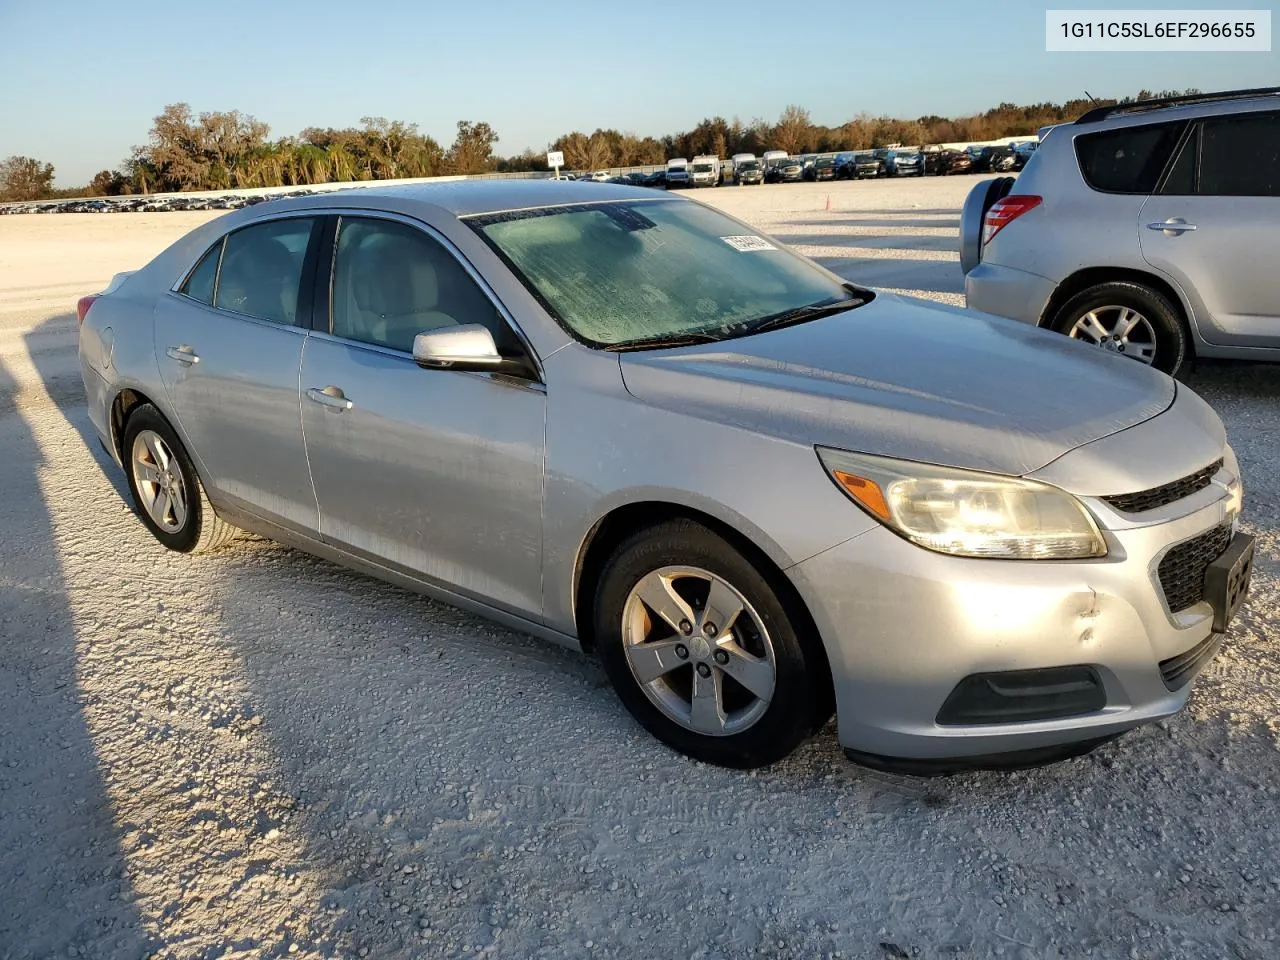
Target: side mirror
<point x="469" y="346"/>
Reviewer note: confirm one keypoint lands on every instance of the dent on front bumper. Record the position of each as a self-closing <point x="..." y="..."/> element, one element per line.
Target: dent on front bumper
<point x="903" y="626"/>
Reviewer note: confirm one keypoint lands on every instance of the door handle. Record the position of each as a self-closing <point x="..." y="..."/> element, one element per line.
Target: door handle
<point x="1172" y="226"/>
<point x="182" y="354"/>
<point x="331" y="397"/>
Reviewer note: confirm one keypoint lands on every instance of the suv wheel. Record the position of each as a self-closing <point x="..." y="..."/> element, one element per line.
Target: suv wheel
<point x="1128" y="319"/>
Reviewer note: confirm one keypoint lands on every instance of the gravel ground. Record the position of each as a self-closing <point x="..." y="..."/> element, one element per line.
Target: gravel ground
<point x="259" y="754"/>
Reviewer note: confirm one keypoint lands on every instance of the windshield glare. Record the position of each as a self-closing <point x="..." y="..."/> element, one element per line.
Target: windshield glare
<point x="625" y="272"/>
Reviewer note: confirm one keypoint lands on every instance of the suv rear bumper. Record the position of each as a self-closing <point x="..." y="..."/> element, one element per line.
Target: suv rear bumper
<point x="1007" y="292"/>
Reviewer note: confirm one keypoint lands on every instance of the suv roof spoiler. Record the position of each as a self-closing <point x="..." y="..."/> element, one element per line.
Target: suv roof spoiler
<point x="1137" y="106"/>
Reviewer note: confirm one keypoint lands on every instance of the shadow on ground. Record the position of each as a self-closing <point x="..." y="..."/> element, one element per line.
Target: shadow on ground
<point x="61" y="856"/>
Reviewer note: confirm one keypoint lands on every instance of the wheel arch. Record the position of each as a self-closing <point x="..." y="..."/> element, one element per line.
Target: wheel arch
<point x="125" y="402"/>
<point x="1088" y="277"/>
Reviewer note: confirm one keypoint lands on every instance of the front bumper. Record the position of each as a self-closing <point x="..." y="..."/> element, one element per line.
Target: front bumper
<point x="903" y="626"/>
<point x="1007" y="292"/>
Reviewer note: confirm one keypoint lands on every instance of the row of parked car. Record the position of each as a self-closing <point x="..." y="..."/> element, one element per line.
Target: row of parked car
<point x="146" y="204"/>
<point x="899" y="162"/>
<point x="776" y="166"/>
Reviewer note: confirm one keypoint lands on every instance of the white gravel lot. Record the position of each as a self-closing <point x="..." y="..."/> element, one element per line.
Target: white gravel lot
<point x="259" y="754"/>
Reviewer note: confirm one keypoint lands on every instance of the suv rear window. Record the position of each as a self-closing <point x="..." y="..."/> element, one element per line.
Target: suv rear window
<point x="1240" y="156"/>
<point x="1128" y="160"/>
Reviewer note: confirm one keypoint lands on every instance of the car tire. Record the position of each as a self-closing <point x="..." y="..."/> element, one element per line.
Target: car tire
<point x="155" y="459"/>
<point x="740" y="729"/>
<point x="1160" y="322"/>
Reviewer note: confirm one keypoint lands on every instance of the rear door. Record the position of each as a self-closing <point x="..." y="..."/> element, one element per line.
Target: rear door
<point x="1214" y="227"/>
<point x="229" y="345"/>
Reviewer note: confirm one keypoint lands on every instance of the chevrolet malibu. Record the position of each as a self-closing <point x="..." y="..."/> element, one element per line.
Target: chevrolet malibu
<point x="633" y="425"/>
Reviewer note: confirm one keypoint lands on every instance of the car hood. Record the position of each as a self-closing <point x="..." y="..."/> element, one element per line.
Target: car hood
<point x="906" y="379"/>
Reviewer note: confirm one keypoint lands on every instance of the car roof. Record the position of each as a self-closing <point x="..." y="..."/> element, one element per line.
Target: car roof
<point x="464" y="198"/>
<point x="1135" y="114"/>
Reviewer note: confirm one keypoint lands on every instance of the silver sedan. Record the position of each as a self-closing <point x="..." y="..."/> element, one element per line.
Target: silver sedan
<point x="631" y="424"/>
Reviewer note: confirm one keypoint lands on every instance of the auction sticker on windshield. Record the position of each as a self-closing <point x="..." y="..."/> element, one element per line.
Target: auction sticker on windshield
<point x="748" y="244"/>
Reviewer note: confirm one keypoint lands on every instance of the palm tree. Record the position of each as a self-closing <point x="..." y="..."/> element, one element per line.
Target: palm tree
<point x="342" y="165"/>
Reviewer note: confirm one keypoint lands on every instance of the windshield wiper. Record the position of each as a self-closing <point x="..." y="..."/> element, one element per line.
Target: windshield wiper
<point x="673" y="340"/>
<point x="799" y="315"/>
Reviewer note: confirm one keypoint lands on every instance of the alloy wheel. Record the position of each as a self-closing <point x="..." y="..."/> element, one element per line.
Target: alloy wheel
<point x="1118" y="329"/>
<point x="158" y="477"/>
<point x="698" y="650"/>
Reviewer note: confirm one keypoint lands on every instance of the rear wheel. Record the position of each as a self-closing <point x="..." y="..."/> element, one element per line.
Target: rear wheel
<point x="1129" y="319"/>
<point x="702" y="651"/>
<point x="166" y="490"/>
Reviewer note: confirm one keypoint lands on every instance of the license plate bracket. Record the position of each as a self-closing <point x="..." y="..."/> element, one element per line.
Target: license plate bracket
<point x="1226" y="581"/>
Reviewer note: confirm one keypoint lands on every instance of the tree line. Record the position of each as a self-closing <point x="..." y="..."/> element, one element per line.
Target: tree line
<point x="226" y="150"/>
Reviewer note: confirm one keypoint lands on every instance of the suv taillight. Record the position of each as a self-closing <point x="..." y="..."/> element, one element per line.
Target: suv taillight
<point x="1004" y="212"/>
<point x="82" y="307"/>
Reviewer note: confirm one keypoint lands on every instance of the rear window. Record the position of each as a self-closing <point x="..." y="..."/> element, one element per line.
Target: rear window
<point x="1129" y="160"/>
<point x="1240" y="156"/>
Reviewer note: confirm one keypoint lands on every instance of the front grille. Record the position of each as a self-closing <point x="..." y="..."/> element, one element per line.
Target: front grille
<point x="1145" y="500"/>
<point x="1178" y="671"/>
<point x="1182" y="569"/>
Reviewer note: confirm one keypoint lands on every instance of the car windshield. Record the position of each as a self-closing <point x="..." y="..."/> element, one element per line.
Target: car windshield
<point x="749" y="165"/>
<point x="624" y="274"/>
<point x="701" y="167"/>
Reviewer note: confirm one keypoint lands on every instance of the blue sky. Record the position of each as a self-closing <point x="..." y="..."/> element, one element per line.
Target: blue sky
<point x="82" y="82"/>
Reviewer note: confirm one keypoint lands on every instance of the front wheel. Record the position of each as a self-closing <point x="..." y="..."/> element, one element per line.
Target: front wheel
<point x="1129" y="319"/>
<point x="703" y="652"/>
<point x="166" y="490"/>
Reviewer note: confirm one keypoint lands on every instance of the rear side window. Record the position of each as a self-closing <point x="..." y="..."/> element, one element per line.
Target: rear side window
<point x="199" y="285"/>
<point x="1128" y="160"/>
<point x="1240" y="156"/>
<point x="261" y="273"/>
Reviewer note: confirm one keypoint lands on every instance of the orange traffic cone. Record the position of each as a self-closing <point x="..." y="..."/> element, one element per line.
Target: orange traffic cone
<point x="828" y="201"/>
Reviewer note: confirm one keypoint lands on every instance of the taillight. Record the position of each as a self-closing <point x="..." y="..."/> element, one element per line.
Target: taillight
<point x="82" y="307"/>
<point x="1004" y="212"/>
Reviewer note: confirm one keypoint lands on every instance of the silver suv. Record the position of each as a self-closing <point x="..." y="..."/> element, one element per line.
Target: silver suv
<point x="1146" y="228"/>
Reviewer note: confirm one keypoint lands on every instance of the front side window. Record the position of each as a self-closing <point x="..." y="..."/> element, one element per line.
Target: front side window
<point x="1240" y="156"/>
<point x="626" y="273"/>
<point x="391" y="282"/>
<point x="1127" y="160"/>
<point x="200" y="283"/>
<point x="261" y="274"/>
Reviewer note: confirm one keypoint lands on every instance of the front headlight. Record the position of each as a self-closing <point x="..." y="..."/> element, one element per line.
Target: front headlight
<point x="966" y="513"/>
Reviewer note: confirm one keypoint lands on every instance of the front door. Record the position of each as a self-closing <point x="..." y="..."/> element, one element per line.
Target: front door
<point x="1215" y="226"/>
<point x="436" y="472"/>
<point x="229" y="346"/>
